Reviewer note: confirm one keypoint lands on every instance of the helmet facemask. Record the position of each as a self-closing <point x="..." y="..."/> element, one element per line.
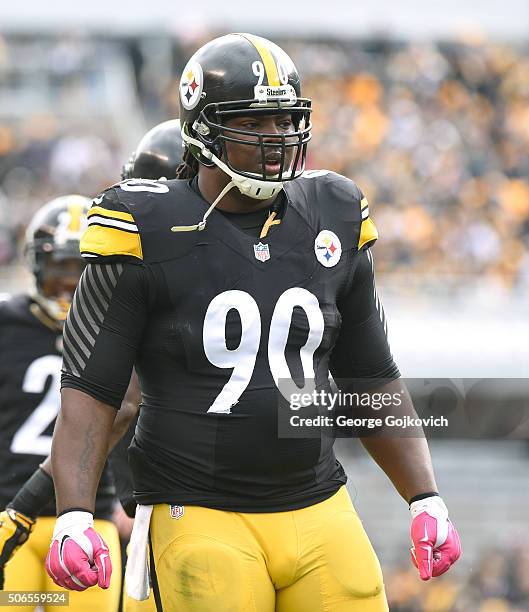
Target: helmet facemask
<point x="52" y="253"/>
<point x="56" y="273"/>
<point x="211" y="130"/>
<point x="209" y="134"/>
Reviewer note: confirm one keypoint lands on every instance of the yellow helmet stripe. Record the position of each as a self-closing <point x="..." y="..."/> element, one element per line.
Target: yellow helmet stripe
<point x="75" y="210"/>
<point x="267" y="57"/>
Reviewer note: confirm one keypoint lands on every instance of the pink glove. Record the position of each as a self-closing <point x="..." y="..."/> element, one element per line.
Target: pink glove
<point x="78" y="558"/>
<point x="435" y="541"/>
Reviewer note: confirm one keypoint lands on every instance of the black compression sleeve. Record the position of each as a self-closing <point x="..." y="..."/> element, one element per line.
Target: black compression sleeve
<point x="104" y="329"/>
<point x="119" y="464"/>
<point x="35" y="494"/>
<point x="362" y="350"/>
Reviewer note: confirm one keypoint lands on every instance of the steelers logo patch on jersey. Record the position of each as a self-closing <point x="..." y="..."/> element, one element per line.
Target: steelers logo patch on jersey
<point x="328" y="248"/>
<point x="191" y="84"/>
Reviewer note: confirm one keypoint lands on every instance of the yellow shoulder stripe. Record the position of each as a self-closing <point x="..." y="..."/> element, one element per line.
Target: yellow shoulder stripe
<point x="267" y="57"/>
<point x="104" y="241"/>
<point x="111" y="214"/>
<point x="368" y="233"/>
<point x="363" y="203"/>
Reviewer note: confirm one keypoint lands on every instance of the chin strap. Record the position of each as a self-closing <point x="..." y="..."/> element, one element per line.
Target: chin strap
<point x="200" y="226"/>
<point x="52" y="312"/>
<point x="253" y="188"/>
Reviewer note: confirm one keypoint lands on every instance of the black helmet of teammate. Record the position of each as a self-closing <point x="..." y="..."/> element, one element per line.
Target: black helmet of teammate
<point x="158" y="154"/>
<point x="52" y="251"/>
<point x="242" y="74"/>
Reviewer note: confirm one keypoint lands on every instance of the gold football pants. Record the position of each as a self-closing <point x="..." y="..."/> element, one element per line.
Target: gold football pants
<point x="314" y="559"/>
<point x="26" y="571"/>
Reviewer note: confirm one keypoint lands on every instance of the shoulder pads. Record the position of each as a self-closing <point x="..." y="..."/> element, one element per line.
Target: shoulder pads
<point x="333" y="202"/>
<point x="112" y="230"/>
<point x="134" y="219"/>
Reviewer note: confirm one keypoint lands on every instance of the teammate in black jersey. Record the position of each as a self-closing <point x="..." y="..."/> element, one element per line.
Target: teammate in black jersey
<point x="218" y="315"/>
<point x="31" y="340"/>
<point x="158" y="154"/>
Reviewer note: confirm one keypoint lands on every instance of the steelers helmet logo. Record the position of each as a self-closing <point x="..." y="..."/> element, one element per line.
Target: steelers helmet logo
<point x="328" y="248"/>
<point x="191" y="83"/>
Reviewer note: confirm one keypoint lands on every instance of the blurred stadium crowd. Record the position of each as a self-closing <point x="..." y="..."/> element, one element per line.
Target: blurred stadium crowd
<point x="500" y="583"/>
<point x="436" y="134"/>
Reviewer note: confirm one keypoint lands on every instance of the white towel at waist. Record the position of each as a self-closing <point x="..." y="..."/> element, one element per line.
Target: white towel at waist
<point x="137" y="571"/>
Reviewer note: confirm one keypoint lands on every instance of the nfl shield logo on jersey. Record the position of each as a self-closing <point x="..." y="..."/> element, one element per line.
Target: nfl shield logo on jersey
<point x="176" y="511"/>
<point x="261" y="251"/>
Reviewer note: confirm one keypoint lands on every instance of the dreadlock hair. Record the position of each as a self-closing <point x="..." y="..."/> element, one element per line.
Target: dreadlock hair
<point x="188" y="169"/>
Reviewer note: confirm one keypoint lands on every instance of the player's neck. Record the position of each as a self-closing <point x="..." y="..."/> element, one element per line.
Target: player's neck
<point x="212" y="181"/>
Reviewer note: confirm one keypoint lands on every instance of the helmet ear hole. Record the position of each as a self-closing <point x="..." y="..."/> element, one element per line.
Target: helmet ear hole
<point x="200" y="154"/>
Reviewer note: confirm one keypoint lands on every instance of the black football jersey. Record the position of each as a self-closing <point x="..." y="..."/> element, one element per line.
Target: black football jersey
<point x="30" y="370"/>
<point x="215" y="321"/>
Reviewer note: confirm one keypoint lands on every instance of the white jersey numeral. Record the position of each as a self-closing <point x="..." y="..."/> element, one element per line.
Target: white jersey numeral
<point x="142" y="185"/>
<point x="29" y="438"/>
<point x="277" y="340"/>
<point x="242" y="359"/>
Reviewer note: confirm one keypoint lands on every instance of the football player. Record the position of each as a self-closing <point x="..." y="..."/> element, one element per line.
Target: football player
<point x="157" y="155"/>
<point x="221" y="289"/>
<point x="31" y="339"/>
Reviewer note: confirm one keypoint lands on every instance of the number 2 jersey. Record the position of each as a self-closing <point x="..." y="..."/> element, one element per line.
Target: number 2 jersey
<point x="30" y="371"/>
<point x="214" y="321"/>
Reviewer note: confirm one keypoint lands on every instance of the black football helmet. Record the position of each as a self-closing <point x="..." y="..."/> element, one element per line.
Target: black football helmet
<point x="52" y="252"/>
<point x="242" y="74"/>
<point x="158" y="154"/>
